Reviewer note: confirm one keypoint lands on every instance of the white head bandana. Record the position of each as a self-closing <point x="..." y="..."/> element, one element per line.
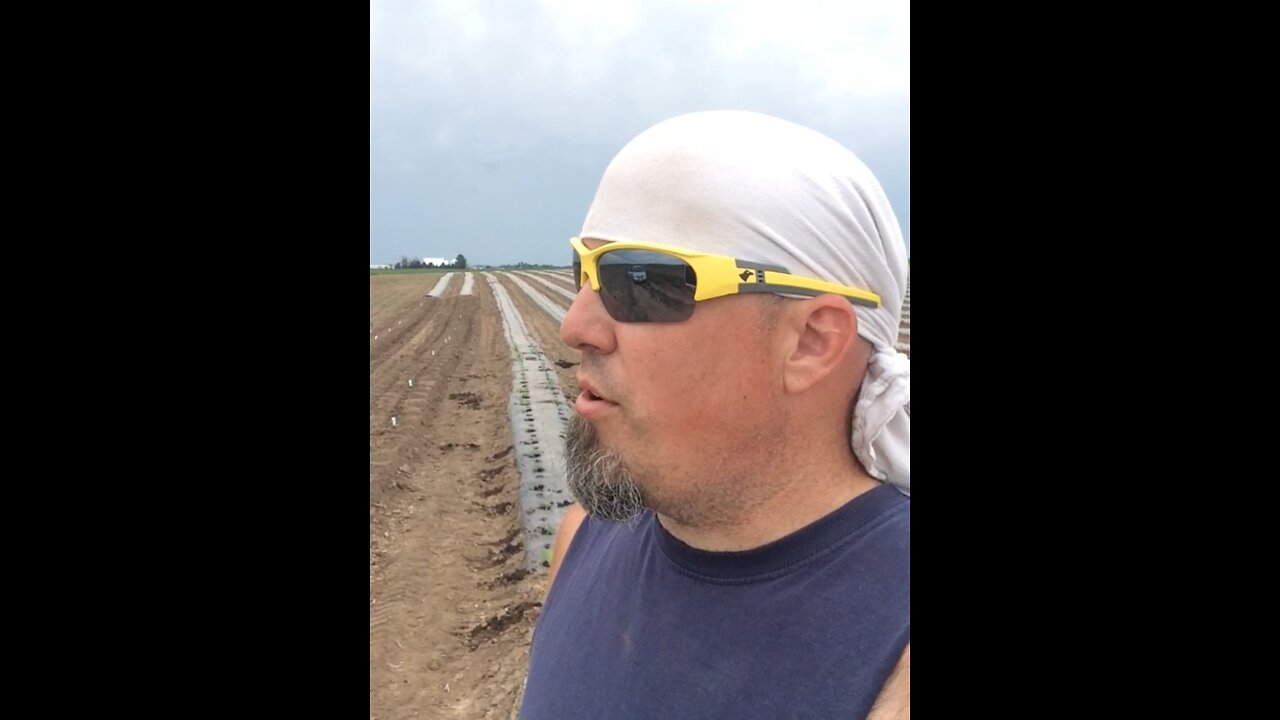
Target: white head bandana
<point x="763" y="189"/>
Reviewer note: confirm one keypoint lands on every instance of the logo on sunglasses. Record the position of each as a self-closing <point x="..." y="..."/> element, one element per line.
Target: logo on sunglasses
<point x="746" y="275"/>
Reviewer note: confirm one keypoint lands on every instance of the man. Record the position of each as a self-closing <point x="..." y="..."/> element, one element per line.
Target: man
<point x="742" y="447"/>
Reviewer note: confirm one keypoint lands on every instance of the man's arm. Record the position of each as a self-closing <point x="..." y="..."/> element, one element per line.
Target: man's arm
<point x="573" y="517"/>
<point x="894" y="701"/>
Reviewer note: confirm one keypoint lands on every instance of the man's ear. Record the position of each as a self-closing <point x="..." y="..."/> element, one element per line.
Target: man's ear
<point x="824" y="329"/>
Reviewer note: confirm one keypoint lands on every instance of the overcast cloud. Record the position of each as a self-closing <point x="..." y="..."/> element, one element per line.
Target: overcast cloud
<point x="491" y="122"/>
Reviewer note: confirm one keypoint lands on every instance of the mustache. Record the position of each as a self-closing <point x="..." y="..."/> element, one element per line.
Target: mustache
<point x="591" y="365"/>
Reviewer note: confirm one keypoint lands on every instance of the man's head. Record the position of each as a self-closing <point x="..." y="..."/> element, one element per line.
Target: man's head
<point x="699" y="414"/>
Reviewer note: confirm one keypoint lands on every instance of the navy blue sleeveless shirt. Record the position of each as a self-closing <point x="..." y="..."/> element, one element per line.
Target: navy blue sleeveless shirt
<point x="640" y="625"/>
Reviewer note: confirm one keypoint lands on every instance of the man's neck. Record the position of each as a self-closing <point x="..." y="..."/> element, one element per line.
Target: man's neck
<point x="800" y="501"/>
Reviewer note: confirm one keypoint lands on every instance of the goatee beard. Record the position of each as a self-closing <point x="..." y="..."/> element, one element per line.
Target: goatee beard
<point x="597" y="477"/>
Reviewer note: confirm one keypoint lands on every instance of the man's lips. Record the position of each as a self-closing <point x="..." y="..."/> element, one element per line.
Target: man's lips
<point x="591" y="403"/>
<point x="592" y="391"/>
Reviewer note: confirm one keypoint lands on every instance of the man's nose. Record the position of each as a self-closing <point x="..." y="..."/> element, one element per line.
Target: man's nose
<point x="587" y="324"/>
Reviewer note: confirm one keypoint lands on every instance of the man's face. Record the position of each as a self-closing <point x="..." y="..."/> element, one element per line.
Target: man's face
<point x="685" y="408"/>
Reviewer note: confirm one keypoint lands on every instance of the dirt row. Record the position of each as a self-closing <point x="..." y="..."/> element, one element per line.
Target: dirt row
<point x="451" y="610"/>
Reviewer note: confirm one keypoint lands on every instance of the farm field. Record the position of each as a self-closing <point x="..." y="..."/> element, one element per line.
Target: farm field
<point x="451" y="604"/>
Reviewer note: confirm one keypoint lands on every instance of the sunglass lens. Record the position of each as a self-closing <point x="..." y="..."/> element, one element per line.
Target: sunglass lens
<point x="643" y="286"/>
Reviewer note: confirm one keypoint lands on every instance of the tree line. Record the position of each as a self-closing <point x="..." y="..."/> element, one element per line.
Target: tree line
<point x="459" y="263"/>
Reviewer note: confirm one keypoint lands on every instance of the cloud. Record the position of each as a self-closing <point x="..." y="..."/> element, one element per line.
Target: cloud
<point x="528" y="101"/>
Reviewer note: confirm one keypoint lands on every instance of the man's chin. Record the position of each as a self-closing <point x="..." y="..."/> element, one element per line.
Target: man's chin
<point x="598" y="477"/>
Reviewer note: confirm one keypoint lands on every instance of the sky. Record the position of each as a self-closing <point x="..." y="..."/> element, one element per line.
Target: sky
<point x="492" y="121"/>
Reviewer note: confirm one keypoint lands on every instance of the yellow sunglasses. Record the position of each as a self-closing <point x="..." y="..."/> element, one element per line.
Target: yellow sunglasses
<point x="651" y="282"/>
